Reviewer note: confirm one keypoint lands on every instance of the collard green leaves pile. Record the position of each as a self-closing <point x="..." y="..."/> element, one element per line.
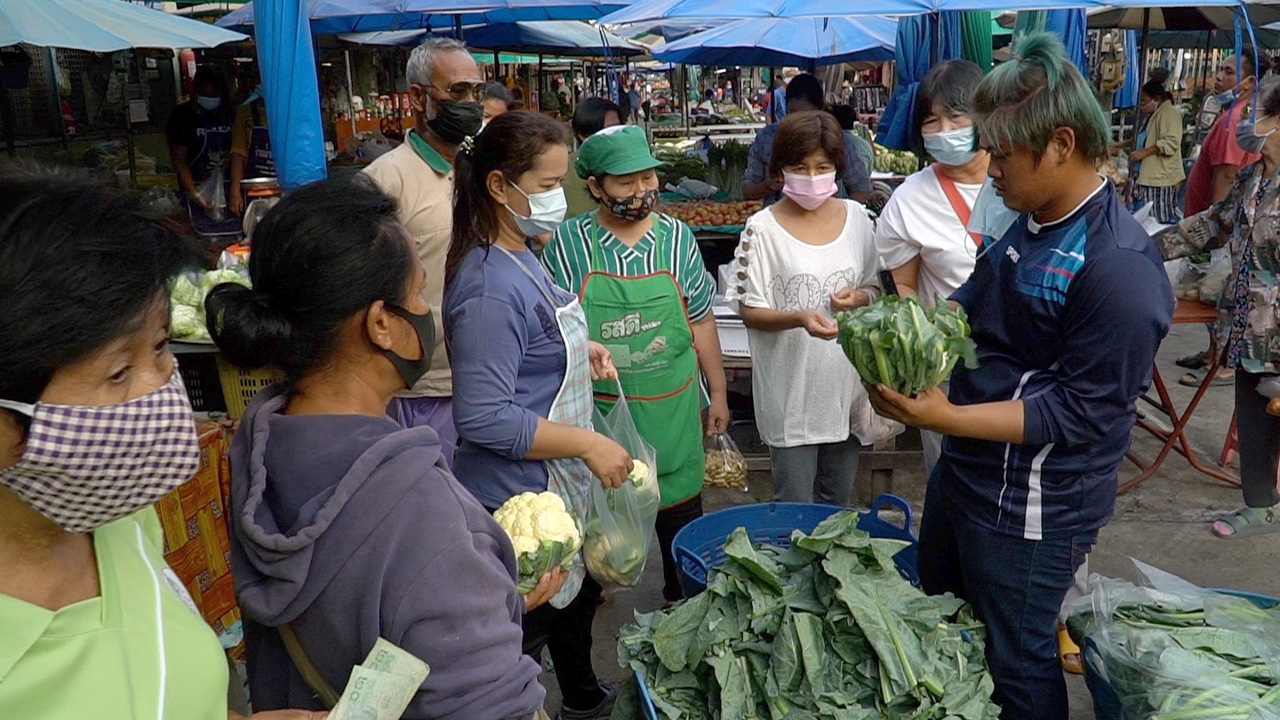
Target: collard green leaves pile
<point x="905" y="345"/>
<point x="1177" y="652"/>
<point x="822" y="630"/>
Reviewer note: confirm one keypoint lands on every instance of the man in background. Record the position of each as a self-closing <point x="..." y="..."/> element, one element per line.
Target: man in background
<point x="445" y="90"/>
<point x="803" y="93"/>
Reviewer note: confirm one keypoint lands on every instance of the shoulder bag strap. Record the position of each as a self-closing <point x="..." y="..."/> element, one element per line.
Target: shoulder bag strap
<point x="958" y="205"/>
<point x="303" y="663"/>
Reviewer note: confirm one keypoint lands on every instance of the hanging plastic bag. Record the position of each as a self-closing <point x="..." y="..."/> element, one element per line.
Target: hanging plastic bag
<point x="725" y="466"/>
<point x="214" y="194"/>
<point x="620" y="521"/>
<point x="1213" y="276"/>
<point x="866" y="424"/>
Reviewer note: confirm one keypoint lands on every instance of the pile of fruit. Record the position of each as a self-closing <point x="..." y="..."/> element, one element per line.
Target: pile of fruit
<point x="897" y="162"/>
<point x="707" y="213"/>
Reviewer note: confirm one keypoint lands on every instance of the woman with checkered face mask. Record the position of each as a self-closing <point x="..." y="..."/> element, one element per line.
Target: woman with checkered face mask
<point x="95" y="426"/>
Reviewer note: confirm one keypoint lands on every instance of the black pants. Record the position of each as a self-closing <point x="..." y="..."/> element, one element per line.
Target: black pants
<point x="670" y="520"/>
<point x="566" y="633"/>
<point x="1259" y="434"/>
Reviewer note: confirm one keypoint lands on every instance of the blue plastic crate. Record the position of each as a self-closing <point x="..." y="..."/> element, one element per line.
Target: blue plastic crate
<point x="699" y="546"/>
<point x="1106" y="701"/>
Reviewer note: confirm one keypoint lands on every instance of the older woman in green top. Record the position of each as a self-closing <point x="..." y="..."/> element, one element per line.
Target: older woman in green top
<point x="647" y="296"/>
<point x="1161" y="173"/>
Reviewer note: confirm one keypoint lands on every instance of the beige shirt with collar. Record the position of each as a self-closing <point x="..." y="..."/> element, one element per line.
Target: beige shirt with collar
<point x="425" y="195"/>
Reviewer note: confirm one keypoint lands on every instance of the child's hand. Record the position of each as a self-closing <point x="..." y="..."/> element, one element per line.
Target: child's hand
<point x="819" y="325"/>
<point x="848" y="299"/>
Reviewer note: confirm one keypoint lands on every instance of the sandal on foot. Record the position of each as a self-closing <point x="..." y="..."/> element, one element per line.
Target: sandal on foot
<point x="1247" y="521"/>
<point x="1191" y="362"/>
<point x="1194" y="381"/>
<point x="1069" y="652"/>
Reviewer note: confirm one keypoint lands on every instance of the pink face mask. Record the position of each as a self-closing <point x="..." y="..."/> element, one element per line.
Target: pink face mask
<point x="809" y="191"/>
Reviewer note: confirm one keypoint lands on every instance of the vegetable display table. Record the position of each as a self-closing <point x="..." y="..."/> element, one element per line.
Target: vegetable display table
<point x="1187" y="311"/>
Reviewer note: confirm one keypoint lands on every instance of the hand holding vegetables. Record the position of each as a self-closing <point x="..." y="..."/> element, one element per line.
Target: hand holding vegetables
<point x="547" y="587"/>
<point x="544" y="536"/>
<point x="607" y="460"/>
<point x="902" y="344"/>
<point x="929" y="409"/>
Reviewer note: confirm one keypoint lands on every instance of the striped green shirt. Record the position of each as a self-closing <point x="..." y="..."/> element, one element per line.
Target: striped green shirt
<point x="568" y="258"/>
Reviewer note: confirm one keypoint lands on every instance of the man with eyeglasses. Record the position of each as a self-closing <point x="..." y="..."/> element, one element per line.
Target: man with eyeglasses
<point x="445" y="89"/>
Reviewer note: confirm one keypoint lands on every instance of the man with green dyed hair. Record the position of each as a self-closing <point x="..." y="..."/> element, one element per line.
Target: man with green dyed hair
<point x="1068" y="302"/>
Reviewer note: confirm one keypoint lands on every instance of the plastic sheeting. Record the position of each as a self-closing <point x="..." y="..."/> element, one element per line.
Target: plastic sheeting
<point x="291" y="90"/>
<point x="771" y="42"/>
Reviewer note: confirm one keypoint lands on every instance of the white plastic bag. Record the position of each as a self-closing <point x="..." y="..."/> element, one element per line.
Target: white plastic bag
<point x="213" y="193"/>
<point x="620" y="521"/>
<point x="865" y="424"/>
<point x="1213" y="275"/>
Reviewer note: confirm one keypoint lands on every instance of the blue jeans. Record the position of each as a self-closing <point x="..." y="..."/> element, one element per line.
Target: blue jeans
<point x="1016" y="586"/>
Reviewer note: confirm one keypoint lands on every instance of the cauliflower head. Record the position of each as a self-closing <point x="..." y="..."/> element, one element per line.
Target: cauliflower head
<point x="543" y="533"/>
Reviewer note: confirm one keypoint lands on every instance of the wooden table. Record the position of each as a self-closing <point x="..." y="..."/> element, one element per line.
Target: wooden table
<point x="1187" y="311"/>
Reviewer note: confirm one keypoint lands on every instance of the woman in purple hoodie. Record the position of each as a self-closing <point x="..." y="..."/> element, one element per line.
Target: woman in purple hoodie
<point x="348" y="528"/>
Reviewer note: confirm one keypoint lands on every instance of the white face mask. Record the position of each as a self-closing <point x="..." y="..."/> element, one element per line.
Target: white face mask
<point x="991" y="217"/>
<point x="209" y="102"/>
<point x="546" y="211"/>
<point x="951" y="147"/>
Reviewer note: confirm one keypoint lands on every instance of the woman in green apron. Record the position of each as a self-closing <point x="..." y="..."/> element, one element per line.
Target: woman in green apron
<point x="647" y="297"/>
<point x="523" y="366"/>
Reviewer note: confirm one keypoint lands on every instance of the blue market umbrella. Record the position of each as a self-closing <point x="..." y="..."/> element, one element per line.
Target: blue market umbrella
<point x="567" y="38"/>
<point x="351" y="16"/>
<point x="773" y="42"/>
<point x="650" y="10"/>
<point x="103" y="26"/>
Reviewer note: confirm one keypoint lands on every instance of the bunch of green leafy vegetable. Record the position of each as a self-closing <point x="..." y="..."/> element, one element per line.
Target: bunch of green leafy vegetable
<point x="186" y="301"/>
<point x="1183" y="654"/>
<point x="824" y="629"/>
<point x="905" y="345"/>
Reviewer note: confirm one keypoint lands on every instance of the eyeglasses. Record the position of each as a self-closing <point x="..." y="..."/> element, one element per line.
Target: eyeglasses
<point x="463" y="90"/>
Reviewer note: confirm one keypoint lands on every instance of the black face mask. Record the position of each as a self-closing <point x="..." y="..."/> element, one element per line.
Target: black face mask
<point x="425" y="327"/>
<point x="455" y="121"/>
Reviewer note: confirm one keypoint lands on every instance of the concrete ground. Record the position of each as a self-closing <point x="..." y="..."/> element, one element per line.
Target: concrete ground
<point x="1164" y="522"/>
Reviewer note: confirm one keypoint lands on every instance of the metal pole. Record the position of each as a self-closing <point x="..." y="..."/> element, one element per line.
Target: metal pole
<point x="351" y="94"/>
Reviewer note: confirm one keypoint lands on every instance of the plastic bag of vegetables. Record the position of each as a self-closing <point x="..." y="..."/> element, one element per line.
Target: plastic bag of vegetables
<point x="620" y="521"/>
<point x="903" y="344"/>
<point x="544" y="534"/>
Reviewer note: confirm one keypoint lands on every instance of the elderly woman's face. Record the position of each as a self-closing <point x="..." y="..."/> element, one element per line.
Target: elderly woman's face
<point x="942" y="119"/>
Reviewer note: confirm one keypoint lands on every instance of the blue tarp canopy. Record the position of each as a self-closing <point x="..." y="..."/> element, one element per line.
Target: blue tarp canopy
<point x="102" y="26"/>
<point x="567" y="38"/>
<point x="770" y="42"/>
<point x="650" y="10"/>
<point x="291" y="91"/>
<point x="351" y="16"/>
<point x="919" y="37"/>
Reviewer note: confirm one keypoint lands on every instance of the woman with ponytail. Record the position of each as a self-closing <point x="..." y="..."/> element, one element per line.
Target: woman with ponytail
<point x="346" y="527"/>
<point x="522" y="369"/>
<point x="1068" y="302"/>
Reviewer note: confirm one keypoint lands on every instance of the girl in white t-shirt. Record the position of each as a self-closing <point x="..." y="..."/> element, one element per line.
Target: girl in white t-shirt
<point x="799" y="262"/>
<point x="922" y="234"/>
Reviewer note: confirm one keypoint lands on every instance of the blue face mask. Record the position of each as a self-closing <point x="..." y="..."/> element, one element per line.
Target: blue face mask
<point x="952" y="147"/>
<point x="991" y="217"/>
<point x="1226" y="98"/>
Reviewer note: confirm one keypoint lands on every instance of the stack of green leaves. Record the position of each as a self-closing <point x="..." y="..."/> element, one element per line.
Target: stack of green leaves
<point x="1183" y="653"/>
<point x="824" y="629"/>
<point x="901" y="343"/>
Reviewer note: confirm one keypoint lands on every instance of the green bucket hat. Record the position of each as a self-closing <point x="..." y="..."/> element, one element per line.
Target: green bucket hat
<point x="618" y="150"/>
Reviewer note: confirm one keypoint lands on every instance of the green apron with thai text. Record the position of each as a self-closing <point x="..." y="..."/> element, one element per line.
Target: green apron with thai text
<point x="643" y="322"/>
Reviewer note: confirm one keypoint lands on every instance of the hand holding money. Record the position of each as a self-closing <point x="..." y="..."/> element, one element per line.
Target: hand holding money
<point x="381" y="687"/>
